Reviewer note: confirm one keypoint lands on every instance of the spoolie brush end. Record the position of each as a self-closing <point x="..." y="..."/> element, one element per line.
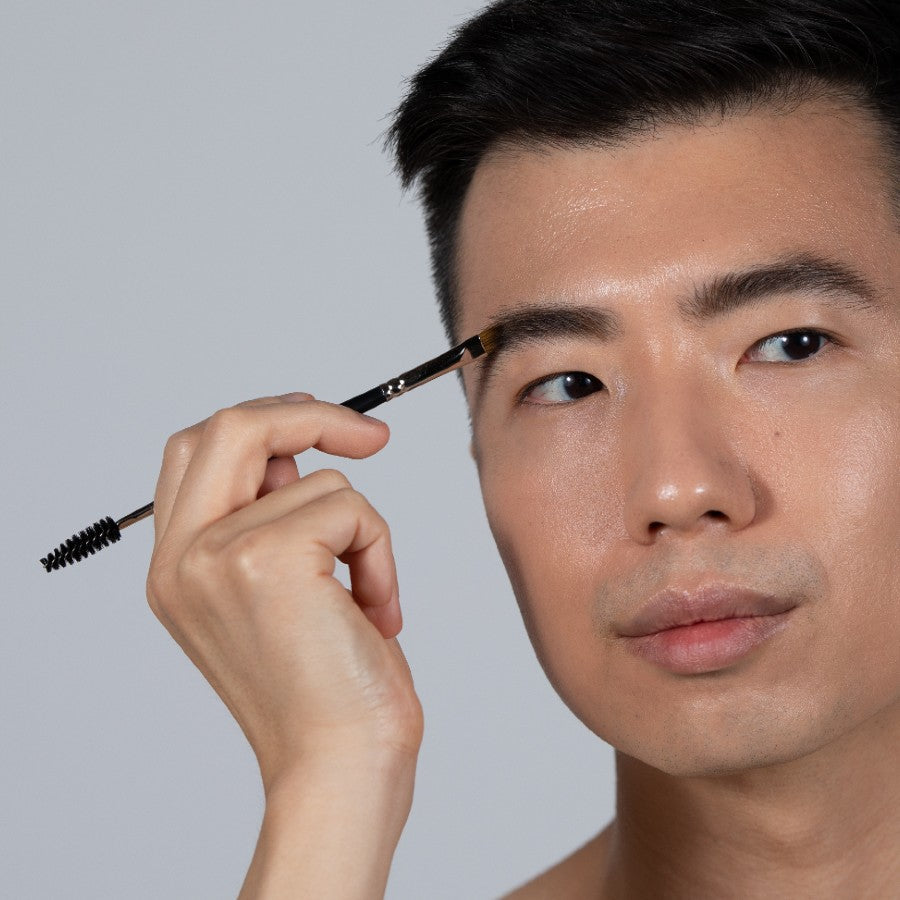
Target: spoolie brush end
<point x="97" y="536"/>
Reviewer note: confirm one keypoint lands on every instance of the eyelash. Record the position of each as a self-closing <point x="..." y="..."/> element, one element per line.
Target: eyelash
<point x="522" y="396"/>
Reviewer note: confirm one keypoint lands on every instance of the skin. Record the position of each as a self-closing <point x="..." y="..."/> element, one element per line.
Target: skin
<point x="706" y="460"/>
<point x="697" y="463"/>
<point x="242" y="576"/>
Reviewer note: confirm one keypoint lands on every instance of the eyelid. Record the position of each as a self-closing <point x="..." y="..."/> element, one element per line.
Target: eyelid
<point x="809" y="329"/>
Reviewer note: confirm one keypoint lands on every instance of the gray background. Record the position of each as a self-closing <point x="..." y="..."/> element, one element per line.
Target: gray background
<point x="196" y="210"/>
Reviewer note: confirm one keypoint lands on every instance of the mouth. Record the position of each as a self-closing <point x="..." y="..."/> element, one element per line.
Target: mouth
<point x="690" y="632"/>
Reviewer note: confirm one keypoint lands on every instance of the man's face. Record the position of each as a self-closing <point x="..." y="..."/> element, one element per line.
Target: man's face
<point x="710" y="459"/>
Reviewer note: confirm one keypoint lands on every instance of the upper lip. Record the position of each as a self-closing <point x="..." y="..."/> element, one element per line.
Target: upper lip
<point x="673" y="607"/>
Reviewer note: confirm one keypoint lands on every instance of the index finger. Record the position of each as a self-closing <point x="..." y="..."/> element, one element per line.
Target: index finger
<point x="228" y="465"/>
<point x="178" y="452"/>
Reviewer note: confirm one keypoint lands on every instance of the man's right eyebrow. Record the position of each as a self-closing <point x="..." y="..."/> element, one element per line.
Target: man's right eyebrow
<point x="539" y="323"/>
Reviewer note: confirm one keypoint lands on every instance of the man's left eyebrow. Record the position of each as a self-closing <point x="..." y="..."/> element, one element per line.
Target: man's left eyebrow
<point x="793" y="272"/>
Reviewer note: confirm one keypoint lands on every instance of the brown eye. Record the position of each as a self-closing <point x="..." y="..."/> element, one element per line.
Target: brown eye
<point x="789" y="346"/>
<point x="563" y="388"/>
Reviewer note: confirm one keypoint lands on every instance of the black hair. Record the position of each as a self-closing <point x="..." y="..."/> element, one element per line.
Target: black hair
<point x="535" y="72"/>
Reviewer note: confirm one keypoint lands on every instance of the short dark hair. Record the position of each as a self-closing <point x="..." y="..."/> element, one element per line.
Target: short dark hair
<point x="535" y="72"/>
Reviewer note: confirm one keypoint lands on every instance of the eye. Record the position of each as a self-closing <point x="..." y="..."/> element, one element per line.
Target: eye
<point x="789" y="346"/>
<point x="563" y="388"/>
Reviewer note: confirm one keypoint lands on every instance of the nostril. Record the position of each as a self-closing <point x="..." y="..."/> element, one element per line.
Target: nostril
<point x="717" y="515"/>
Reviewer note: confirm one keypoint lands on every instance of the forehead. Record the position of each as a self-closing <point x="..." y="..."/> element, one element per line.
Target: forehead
<point x="646" y="219"/>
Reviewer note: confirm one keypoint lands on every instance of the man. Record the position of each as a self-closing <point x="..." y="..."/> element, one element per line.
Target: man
<point x="685" y="221"/>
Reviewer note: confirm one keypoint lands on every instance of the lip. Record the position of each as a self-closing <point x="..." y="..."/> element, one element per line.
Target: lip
<point x="702" y="630"/>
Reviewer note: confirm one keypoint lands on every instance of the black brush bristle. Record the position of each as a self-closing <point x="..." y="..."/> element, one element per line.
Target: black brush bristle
<point x="97" y="536"/>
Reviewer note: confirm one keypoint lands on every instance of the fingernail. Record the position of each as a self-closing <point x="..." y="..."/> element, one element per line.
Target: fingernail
<point x="297" y="397"/>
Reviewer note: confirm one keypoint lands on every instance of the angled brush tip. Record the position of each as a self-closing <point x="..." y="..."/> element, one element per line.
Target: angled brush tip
<point x="490" y="338"/>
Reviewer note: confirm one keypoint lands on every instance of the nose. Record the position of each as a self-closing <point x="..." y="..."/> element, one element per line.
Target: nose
<point x="685" y="474"/>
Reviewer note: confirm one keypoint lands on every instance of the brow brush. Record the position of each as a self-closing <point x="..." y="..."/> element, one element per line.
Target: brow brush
<point x="108" y="530"/>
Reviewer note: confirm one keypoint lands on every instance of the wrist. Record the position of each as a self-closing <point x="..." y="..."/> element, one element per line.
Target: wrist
<point x="377" y="780"/>
<point x="352" y="768"/>
<point x="362" y="796"/>
<point x="331" y="827"/>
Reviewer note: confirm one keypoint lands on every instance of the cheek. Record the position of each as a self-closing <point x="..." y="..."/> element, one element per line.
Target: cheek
<point x="858" y="535"/>
<point x="553" y="500"/>
<point x="863" y="466"/>
<point x="833" y="477"/>
<point x="555" y="513"/>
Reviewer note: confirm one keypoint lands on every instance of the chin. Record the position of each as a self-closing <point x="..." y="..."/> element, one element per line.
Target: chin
<point x="696" y="749"/>
<point x="688" y="762"/>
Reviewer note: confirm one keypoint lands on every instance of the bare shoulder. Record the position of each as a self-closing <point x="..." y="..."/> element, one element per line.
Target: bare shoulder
<point x="579" y="875"/>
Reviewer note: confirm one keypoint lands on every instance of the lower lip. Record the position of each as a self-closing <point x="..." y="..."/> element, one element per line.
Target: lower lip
<point x="706" y="646"/>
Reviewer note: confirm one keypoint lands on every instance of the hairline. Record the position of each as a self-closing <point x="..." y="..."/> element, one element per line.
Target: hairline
<point x="785" y="97"/>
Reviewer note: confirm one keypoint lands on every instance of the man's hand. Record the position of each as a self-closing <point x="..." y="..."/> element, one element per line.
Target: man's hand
<point x="242" y="576"/>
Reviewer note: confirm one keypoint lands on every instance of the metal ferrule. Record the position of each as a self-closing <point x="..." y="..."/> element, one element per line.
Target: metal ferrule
<point x="455" y="358"/>
<point x="135" y="516"/>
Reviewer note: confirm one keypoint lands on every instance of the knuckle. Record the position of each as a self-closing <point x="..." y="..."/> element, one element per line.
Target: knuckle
<point x="350" y="499"/>
<point x="331" y="479"/>
<point x="247" y="558"/>
<point x="256" y="401"/>
<point x="160" y="582"/>
<point x="352" y="503"/>
<point x="179" y="447"/>
<point x="226" y="422"/>
<point x="155" y="589"/>
<point x="197" y="564"/>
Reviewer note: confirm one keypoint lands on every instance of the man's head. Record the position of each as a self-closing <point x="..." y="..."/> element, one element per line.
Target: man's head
<point x="693" y="212"/>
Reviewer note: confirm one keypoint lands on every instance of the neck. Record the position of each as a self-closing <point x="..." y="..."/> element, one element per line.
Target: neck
<point x="826" y="824"/>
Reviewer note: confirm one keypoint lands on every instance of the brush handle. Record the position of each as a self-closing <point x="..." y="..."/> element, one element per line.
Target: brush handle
<point x="107" y="531"/>
<point x="369" y="400"/>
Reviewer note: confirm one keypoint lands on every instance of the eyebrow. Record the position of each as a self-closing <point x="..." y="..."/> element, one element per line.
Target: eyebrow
<point x="541" y="323"/>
